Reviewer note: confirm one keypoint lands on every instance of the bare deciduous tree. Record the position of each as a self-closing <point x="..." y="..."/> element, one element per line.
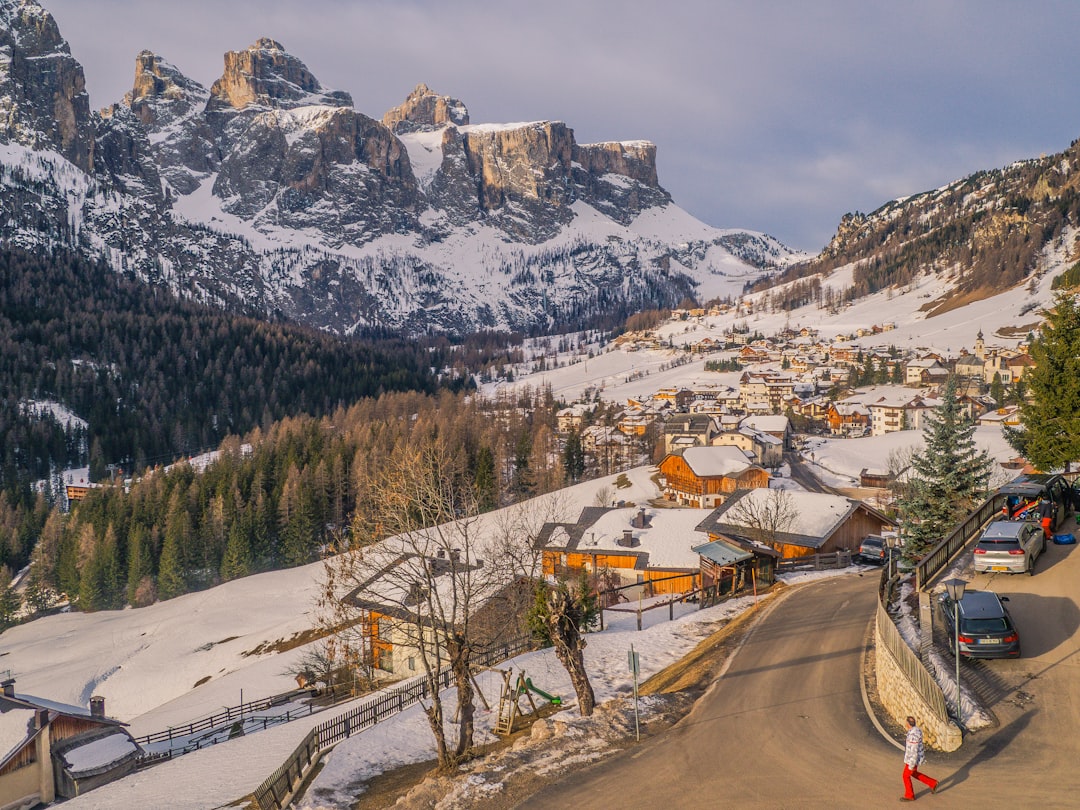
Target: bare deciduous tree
<point x="408" y="603"/>
<point x="764" y="513"/>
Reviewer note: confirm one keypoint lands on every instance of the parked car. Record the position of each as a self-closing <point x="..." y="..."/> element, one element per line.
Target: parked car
<point x="1023" y="493"/>
<point x="1011" y="546"/>
<point x="873" y="549"/>
<point x="986" y="628"/>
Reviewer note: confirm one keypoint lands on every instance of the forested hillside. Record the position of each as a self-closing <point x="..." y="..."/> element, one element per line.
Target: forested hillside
<point x="154" y="378"/>
<point x="275" y="497"/>
<point x="988" y="232"/>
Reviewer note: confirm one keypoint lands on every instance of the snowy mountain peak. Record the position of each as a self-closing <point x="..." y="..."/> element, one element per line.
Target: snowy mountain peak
<point x="270" y="191"/>
<point x="43" y="100"/>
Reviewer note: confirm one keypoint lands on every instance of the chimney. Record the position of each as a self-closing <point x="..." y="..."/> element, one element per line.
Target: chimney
<point x="8" y="687"/>
<point x="97" y="707"/>
<point x="627" y="540"/>
<point x="41" y="718"/>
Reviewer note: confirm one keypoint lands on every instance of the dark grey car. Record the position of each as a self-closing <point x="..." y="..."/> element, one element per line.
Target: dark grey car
<point x="986" y="628"/>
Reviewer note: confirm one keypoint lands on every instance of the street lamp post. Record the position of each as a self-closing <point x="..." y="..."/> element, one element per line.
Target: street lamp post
<point x="955" y="588"/>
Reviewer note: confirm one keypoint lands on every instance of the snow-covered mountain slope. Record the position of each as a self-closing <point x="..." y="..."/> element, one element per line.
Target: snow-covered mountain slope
<point x="269" y="191"/>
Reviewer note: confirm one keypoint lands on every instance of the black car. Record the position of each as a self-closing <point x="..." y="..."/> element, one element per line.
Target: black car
<point x="986" y="628"/>
<point x="1023" y="493"/>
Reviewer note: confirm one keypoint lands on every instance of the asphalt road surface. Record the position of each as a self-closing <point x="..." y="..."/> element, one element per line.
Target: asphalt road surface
<point x="785" y="726"/>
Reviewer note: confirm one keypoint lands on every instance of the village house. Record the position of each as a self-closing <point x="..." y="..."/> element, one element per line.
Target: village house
<point x="1008" y="415"/>
<point x="1019" y="366"/>
<point x="52" y="750"/>
<point x="680" y="398"/>
<point x="776" y="425"/>
<point x="920" y="371"/>
<point x="809" y="522"/>
<point x="632" y="545"/>
<point x="891" y="413"/>
<point x="706" y="476"/>
<point x="689" y="430"/>
<point x="571" y="417"/>
<point x="766" y="450"/>
<point x="847" y="418"/>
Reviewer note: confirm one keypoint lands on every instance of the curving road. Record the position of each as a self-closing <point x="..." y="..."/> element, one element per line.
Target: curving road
<point x="785" y="726"/>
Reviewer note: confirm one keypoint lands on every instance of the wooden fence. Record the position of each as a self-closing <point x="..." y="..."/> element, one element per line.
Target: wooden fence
<point x="906" y="658"/>
<point x="278" y="789"/>
<point x="224" y="718"/>
<point x="816" y="562"/>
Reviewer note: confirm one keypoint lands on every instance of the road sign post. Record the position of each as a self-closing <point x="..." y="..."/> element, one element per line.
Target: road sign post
<point x="633" y="661"/>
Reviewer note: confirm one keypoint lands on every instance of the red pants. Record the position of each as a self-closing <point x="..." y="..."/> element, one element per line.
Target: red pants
<point x="1046" y="527"/>
<point x="909" y="792"/>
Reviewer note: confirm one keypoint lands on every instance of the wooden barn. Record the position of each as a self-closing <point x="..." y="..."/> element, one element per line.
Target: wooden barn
<point x="795" y="524"/>
<point x="51" y="750"/>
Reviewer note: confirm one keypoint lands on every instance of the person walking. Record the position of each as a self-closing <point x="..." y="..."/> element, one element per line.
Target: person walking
<point x="913" y="758"/>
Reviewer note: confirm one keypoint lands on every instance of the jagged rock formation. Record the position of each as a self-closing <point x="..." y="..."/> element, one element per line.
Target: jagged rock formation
<point x="43" y="101"/>
<point x="269" y="191"/>
<point x="424" y="111"/>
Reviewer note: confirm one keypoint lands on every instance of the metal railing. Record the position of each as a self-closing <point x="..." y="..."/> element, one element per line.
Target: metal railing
<point x="940" y="555"/>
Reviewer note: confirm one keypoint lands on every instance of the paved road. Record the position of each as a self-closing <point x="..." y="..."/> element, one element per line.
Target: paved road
<point x="785" y="726"/>
<point x="803" y="476"/>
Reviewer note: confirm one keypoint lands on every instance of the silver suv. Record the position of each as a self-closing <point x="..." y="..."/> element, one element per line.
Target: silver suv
<point x="1010" y="546"/>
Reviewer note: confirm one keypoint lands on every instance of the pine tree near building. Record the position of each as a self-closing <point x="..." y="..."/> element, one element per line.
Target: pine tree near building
<point x="1050" y="436"/>
<point x="949" y="477"/>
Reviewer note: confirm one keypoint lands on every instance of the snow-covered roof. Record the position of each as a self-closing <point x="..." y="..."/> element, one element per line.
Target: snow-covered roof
<point x="814" y="515"/>
<point x="15" y="724"/>
<point x="707" y="462"/>
<point x="767" y="423"/>
<point x="667" y="538"/>
<point x="99" y="753"/>
<point x="722" y="553"/>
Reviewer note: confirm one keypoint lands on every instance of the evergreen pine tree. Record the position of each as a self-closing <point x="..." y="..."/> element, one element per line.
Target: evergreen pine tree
<point x="140" y="562"/>
<point x="171" y="580"/>
<point x="997" y="390"/>
<point x="949" y="476"/>
<point x="1050" y="436"/>
<point x="9" y="599"/>
<point x="237" y="560"/>
<point x="574" y="457"/>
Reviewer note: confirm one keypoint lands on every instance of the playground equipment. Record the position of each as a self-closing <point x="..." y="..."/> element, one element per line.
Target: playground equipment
<point x="509" y="706"/>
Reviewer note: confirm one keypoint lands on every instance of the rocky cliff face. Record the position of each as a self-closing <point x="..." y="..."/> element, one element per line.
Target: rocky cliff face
<point x="425" y="110"/>
<point x="269" y="190"/>
<point x="43" y="101"/>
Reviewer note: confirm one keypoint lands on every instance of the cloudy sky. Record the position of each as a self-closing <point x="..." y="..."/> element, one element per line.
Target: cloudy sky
<point x="774" y="115"/>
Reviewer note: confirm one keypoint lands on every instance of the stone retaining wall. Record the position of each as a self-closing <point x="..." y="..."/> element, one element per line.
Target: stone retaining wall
<point x="900" y="698"/>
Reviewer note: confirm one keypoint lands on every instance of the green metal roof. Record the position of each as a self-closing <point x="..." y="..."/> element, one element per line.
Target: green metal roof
<point x="722" y="553"/>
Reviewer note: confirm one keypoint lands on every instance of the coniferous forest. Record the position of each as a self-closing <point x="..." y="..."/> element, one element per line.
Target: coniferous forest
<point x="155" y="378"/>
<point x="303" y="421"/>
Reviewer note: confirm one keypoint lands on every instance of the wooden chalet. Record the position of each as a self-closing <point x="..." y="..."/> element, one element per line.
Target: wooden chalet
<point x="706" y="476"/>
<point x="52" y="750"/>
<point x="394" y="619"/>
<point x="818" y="523"/>
<point x="847" y="418"/>
<point x="631" y="545"/>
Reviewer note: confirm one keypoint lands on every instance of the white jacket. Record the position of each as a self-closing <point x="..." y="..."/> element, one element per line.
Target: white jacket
<point x="914" y="755"/>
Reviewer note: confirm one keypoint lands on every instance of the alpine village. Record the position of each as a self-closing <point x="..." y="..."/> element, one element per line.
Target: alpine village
<point x="407" y="461"/>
